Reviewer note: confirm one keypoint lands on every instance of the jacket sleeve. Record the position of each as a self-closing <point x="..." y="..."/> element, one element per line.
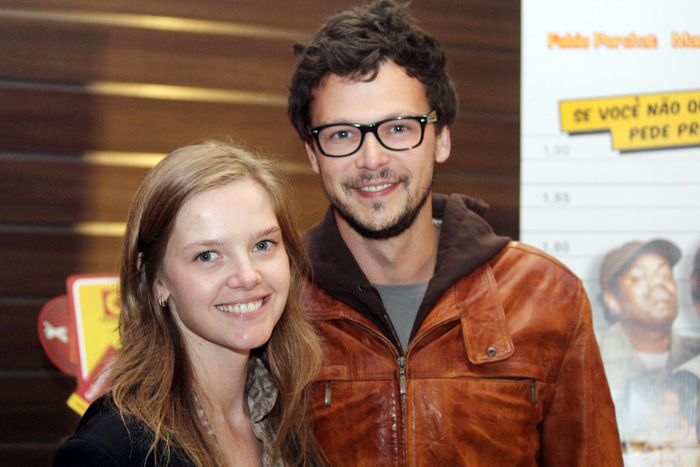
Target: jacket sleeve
<point x="579" y="426"/>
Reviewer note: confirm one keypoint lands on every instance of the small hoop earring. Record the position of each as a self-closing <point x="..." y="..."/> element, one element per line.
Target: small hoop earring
<point x="163" y="302"/>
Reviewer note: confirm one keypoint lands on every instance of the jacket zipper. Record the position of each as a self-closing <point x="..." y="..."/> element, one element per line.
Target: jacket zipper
<point x="401" y="363"/>
<point x="402" y="376"/>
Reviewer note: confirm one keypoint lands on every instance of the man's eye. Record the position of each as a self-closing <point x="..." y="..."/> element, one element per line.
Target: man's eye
<point x="342" y="134"/>
<point x="639" y="277"/>
<point x="398" y="128"/>
<point x="206" y="256"/>
<point x="264" y="245"/>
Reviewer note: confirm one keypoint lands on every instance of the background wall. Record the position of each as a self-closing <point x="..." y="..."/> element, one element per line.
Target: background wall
<point x="92" y="93"/>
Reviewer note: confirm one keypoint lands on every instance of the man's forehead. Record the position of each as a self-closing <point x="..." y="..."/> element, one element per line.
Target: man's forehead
<point x="347" y="99"/>
<point x="647" y="258"/>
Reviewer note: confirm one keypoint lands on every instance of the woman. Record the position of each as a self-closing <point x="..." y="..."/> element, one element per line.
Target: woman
<point x="215" y="349"/>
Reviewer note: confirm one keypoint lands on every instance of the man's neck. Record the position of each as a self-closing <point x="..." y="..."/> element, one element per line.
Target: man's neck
<point x="648" y="340"/>
<point x="408" y="258"/>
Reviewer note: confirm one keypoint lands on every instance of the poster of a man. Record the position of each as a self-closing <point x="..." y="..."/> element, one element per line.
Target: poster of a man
<point x="662" y="422"/>
<point x="693" y="365"/>
<point x="640" y="299"/>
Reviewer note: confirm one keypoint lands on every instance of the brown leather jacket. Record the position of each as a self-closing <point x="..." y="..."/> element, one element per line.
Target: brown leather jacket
<point x="502" y="368"/>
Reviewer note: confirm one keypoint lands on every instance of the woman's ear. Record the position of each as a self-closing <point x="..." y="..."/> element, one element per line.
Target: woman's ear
<point x="162" y="293"/>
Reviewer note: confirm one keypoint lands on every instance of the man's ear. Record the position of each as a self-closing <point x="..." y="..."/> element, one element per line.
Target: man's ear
<point x="312" y="157"/>
<point x="612" y="303"/>
<point x="443" y="145"/>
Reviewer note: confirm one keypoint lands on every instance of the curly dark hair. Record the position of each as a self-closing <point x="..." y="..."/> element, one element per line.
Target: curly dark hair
<point x="355" y="43"/>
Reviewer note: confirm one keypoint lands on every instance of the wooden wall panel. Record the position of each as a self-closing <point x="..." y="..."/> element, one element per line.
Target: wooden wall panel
<point x="486" y="81"/>
<point x="43" y="258"/>
<point x="34" y="407"/>
<point x="58" y="51"/>
<point x="71" y="120"/>
<point x="484" y="145"/>
<point x="480" y="23"/>
<point x="59" y="190"/>
<point x="230" y="62"/>
<point x="21" y="349"/>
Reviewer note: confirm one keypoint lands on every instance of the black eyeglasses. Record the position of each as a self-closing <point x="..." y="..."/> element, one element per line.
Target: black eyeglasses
<point x="396" y="134"/>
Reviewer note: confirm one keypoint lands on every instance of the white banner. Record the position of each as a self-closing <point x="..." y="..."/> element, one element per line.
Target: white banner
<point x="610" y="163"/>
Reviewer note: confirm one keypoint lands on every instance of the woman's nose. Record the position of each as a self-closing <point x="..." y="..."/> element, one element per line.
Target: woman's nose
<point x="244" y="274"/>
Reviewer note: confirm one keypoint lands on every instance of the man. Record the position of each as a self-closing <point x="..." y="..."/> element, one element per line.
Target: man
<point x="693" y="365"/>
<point x="695" y="281"/>
<point x="444" y="344"/>
<point x="687" y="375"/>
<point x="641" y="299"/>
<point x="690" y="370"/>
<point x="653" y="383"/>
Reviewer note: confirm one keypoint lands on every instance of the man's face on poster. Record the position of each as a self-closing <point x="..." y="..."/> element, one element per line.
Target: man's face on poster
<point x="647" y="293"/>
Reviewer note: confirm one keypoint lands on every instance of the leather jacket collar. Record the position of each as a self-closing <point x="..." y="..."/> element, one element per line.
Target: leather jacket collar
<point x="466" y="242"/>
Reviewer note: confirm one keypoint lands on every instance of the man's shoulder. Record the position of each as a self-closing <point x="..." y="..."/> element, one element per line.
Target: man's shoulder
<point x="614" y="343"/>
<point x="687" y="341"/>
<point x="319" y="303"/>
<point x="529" y="258"/>
<point x="684" y="347"/>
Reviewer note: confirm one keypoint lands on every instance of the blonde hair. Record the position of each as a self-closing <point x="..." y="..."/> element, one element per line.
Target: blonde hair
<point x="152" y="376"/>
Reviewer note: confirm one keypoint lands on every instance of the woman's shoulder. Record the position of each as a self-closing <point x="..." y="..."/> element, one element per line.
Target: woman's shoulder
<point x="104" y="438"/>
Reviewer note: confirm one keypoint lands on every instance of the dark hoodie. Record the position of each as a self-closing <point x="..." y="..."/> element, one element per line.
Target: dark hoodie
<point x="466" y="242"/>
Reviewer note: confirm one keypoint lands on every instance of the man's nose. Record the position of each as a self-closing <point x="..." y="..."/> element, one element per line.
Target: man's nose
<point x="662" y="280"/>
<point x="372" y="155"/>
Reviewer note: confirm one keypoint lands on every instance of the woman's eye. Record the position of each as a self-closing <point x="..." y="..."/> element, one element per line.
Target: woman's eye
<point x="206" y="256"/>
<point x="263" y="245"/>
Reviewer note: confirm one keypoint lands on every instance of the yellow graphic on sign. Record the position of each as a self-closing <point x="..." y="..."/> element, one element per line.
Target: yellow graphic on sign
<point x="638" y="122"/>
<point x="97" y="307"/>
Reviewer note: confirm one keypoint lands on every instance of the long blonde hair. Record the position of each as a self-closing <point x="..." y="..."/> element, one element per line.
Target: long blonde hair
<point x="152" y="376"/>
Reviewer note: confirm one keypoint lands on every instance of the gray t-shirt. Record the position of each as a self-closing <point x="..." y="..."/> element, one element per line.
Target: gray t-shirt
<point x="402" y="303"/>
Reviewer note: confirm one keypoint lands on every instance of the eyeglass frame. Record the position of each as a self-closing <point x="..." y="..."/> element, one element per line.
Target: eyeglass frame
<point x="430" y="117"/>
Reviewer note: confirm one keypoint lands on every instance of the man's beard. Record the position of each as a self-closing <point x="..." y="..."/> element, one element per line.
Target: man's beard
<point x="403" y="221"/>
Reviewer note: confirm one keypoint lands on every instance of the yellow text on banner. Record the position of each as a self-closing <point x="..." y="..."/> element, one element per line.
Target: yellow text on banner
<point x="637" y="122"/>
